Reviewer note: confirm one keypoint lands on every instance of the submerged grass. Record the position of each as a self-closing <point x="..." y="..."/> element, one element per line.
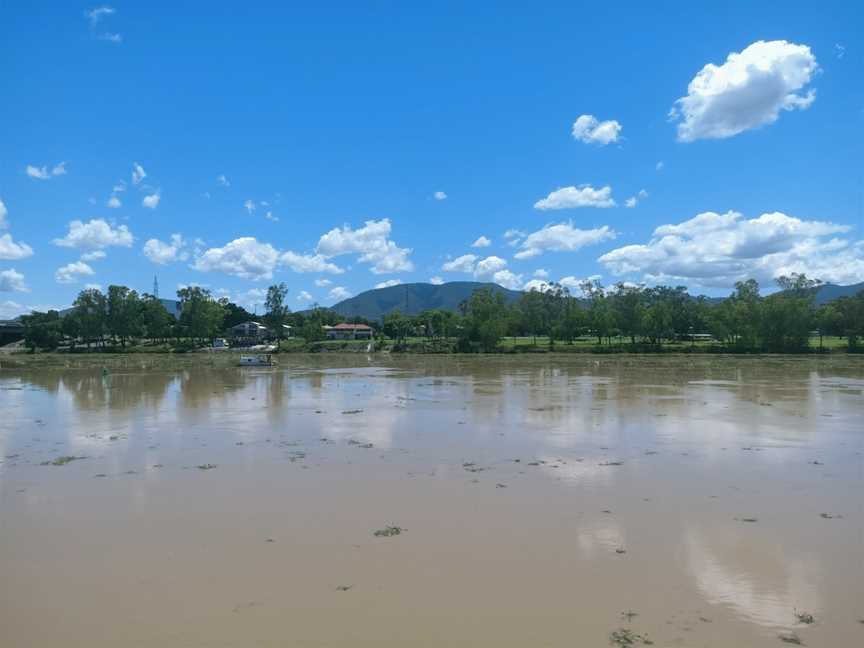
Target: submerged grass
<point x="388" y="531"/>
<point x="61" y="461"/>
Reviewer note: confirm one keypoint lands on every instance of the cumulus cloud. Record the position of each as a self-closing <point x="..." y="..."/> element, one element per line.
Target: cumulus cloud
<point x="439" y="195"/>
<point x="138" y="173"/>
<point x="95" y="255"/>
<point x="223" y="180"/>
<point x="3" y="214"/>
<point x="309" y="263"/>
<point x="562" y="237"/>
<point x="481" y="242"/>
<point x="12" y="281"/>
<point x="572" y="197"/>
<point x="436" y="280"/>
<point x="114" y="202"/>
<point x="339" y="293"/>
<point x="161" y="252"/>
<point x="59" y="169"/>
<point x="464" y="263"/>
<point x="540" y="273"/>
<point x="371" y="242"/>
<point x="588" y="129"/>
<point x="304" y="296"/>
<point x="72" y="272"/>
<point x="243" y="257"/>
<point x="388" y="283"/>
<point x="494" y="268"/>
<point x="12" y="251"/>
<point x="716" y="250"/>
<point x="249" y="205"/>
<point x="151" y="201"/>
<point x="95" y="234"/>
<point x="514" y="237"/>
<point x="321" y="283"/>
<point x="747" y="91"/>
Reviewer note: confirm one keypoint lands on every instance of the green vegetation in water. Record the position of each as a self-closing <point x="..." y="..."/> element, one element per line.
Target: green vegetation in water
<point x="790" y="638"/>
<point x="805" y="617"/>
<point x="206" y="466"/>
<point x="629" y="615"/>
<point x="624" y="637"/>
<point x="388" y="531"/>
<point x="61" y="461"/>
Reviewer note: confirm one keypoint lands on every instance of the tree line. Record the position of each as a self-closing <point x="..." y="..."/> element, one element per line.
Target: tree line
<point x="622" y="315"/>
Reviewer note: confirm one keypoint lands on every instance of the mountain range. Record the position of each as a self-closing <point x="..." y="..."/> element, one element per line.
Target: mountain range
<point x="414" y="298"/>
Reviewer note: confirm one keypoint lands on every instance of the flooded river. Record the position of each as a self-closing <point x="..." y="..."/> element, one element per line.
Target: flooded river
<point x="528" y="501"/>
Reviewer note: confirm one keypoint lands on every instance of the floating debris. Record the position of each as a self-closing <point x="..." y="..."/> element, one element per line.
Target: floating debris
<point x="624" y="637"/>
<point x="747" y="519"/>
<point x="815" y="463"/>
<point x="620" y="551"/>
<point x="354" y="411"/>
<point x="790" y="638"/>
<point x="629" y="615"/>
<point x="388" y="531"/>
<point x="343" y="588"/>
<point x="500" y="485"/>
<point x="830" y="516"/>
<point x="805" y="617"/>
<point x="61" y="461"/>
<point x="207" y="466"/>
<point x="611" y="463"/>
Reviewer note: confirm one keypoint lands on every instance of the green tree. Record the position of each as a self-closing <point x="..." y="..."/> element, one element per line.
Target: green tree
<point x="124" y="313"/>
<point x="629" y="309"/>
<point x="42" y="330"/>
<point x="91" y="309"/>
<point x="155" y="318"/>
<point x="201" y="316"/>
<point x="485" y="319"/>
<point x="277" y="310"/>
<point x="601" y="319"/>
<point x="397" y="327"/>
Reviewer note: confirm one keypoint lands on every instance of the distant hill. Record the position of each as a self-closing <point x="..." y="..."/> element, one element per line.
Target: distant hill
<point x="414" y="298"/>
<point x="830" y="292"/>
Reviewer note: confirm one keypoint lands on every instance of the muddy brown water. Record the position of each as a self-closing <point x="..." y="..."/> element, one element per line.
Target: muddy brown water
<point x="545" y="501"/>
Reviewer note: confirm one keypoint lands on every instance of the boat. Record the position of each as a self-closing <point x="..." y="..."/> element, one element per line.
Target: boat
<point x="260" y="360"/>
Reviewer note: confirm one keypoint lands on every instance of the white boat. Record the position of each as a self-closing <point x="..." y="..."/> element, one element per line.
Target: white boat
<point x="260" y="360"/>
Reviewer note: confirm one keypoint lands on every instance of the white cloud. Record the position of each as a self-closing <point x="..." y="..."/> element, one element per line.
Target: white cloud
<point x="464" y="263"/>
<point x="120" y="187"/>
<point x="161" y="253"/>
<point x="481" y="242"/>
<point x="95" y="15"/>
<point x="3" y="214"/>
<point x="632" y="201"/>
<point x="371" y="242"/>
<point x="839" y="50"/>
<point x="439" y="195"/>
<point x="59" y="169"/>
<point x="243" y="257"/>
<point x="494" y="268"/>
<point x="588" y="129"/>
<point x="94" y="235"/>
<point x="575" y="283"/>
<point x="138" y="173"/>
<point x="95" y="255"/>
<point x="572" y="197"/>
<point x="305" y="297"/>
<point x="112" y="37"/>
<point x="321" y="283"/>
<point x="40" y="173"/>
<point x="309" y="263"/>
<point x="151" y="201"/>
<point x="508" y="279"/>
<point x="747" y="91"/>
<point x="269" y="216"/>
<point x="716" y="250"/>
<point x="388" y="283"/>
<point x="12" y="281"/>
<point x="562" y="237"/>
<point x="93" y="286"/>
<point x="436" y="280"/>
<point x="514" y="237"/>
<point x="339" y="293"/>
<point x="540" y="273"/>
<point x="12" y="251"/>
<point x="114" y="202"/>
<point x="223" y="180"/>
<point x="249" y="205"/>
<point x="72" y="272"/>
<point x="535" y="284"/>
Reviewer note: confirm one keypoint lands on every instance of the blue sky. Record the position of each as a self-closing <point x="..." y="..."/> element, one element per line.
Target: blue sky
<point x="338" y="148"/>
